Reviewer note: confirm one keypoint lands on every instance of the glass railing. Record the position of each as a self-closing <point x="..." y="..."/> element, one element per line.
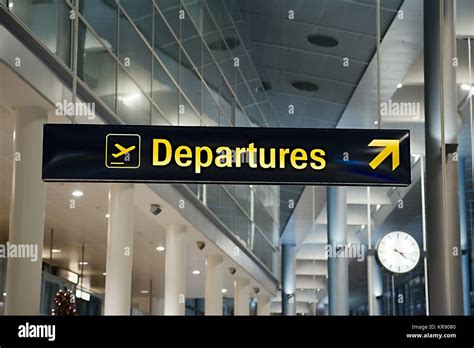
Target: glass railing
<point x="168" y="63"/>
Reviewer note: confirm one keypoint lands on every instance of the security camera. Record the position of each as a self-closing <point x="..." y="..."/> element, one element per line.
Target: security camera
<point x="232" y="270"/>
<point x="201" y="245"/>
<point x="256" y="290"/>
<point x="155" y="209"/>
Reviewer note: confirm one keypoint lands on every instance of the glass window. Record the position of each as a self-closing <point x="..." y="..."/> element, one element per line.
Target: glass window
<point x="49" y="21"/>
<point x="141" y="13"/>
<point x="101" y="15"/>
<point x="96" y="66"/>
<point x="135" y="55"/>
<point x="165" y="94"/>
<point x="132" y="105"/>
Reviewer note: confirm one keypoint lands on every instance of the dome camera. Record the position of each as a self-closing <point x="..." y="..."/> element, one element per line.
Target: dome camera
<point x="155" y="209"/>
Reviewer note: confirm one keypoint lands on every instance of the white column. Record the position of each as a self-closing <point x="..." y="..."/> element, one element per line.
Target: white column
<point x="241" y="297"/>
<point x="338" y="265"/>
<point x="26" y="213"/>
<point x="263" y="304"/>
<point x="213" y="291"/>
<point x="118" y="281"/>
<point x="288" y="279"/>
<point x="175" y="270"/>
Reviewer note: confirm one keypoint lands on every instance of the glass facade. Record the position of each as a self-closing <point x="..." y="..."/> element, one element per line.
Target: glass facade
<point x="170" y="63"/>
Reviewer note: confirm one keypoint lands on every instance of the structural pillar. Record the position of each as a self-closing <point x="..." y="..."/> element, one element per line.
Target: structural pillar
<point x="23" y="286"/>
<point x="263" y="304"/>
<point x="288" y="279"/>
<point x="175" y="270"/>
<point x="464" y="239"/>
<point x="213" y="292"/>
<point x="241" y="296"/>
<point x="118" y="281"/>
<point x="338" y="267"/>
<point x="442" y="199"/>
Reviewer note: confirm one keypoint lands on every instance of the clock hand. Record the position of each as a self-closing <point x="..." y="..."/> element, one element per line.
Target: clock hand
<point x="396" y="250"/>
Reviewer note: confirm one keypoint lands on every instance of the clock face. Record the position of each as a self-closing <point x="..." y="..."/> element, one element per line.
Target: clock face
<point x="398" y="252"/>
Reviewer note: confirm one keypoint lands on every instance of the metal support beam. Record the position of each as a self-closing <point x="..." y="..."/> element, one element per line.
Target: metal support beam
<point x="443" y="237"/>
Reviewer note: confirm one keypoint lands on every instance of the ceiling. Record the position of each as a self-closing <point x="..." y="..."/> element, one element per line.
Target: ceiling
<point x="282" y="54"/>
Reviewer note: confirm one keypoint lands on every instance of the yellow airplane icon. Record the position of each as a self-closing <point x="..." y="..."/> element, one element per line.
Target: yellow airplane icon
<point x="123" y="150"/>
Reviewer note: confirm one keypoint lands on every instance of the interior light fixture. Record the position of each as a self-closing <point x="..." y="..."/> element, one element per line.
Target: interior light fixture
<point x="322" y="40"/>
<point x="144" y="291"/>
<point x="160" y="248"/>
<point x="196" y="272"/>
<point x="83" y="295"/>
<point x="83" y="263"/>
<point x="305" y="86"/>
<point x="107" y="215"/>
<point x="224" y="291"/>
<point x="10" y="5"/>
<point x="56" y="251"/>
<point x="400" y="85"/>
<point x="377" y="208"/>
<point x="78" y="193"/>
<point x="104" y="274"/>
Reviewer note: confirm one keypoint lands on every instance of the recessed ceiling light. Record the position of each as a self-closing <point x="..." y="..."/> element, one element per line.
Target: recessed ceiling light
<point x="160" y="248"/>
<point x="144" y="291"/>
<point x="56" y="251"/>
<point x="83" y="263"/>
<point x="78" y="193"/>
<point x="400" y="85"/>
<point x="224" y="291"/>
<point x="305" y="86"/>
<point x="196" y="272"/>
<point x="222" y="44"/>
<point x="322" y="40"/>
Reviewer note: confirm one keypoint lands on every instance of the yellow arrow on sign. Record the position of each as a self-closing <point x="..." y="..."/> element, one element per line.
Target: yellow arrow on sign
<point x="392" y="147"/>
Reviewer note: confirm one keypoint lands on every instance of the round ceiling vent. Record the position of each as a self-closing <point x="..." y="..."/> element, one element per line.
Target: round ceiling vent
<point x="221" y="45"/>
<point x="305" y="86"/>
<point x="322" y="40"/>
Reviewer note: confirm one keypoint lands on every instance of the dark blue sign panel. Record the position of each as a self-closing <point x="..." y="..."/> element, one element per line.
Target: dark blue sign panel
<point x="105" y="153"/>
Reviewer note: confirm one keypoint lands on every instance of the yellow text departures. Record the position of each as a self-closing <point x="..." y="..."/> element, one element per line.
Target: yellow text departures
<point x="225" y="157"/>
